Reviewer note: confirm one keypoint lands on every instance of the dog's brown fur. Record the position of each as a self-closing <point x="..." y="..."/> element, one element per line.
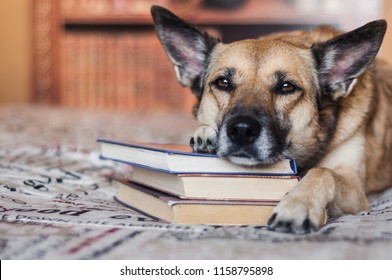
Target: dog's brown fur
<point x="284" y="95"/>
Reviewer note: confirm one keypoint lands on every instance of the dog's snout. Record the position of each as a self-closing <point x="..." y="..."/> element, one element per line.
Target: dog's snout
<point x="243" y="130"/>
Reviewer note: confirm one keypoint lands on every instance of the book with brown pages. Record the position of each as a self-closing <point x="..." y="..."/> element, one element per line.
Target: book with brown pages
<point x="179" y="159"/>
<point x="172" y="209"/>
<point x="216" y="186"/>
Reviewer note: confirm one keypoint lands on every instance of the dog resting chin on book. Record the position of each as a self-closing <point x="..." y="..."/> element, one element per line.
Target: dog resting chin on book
<point x="318" y="96"/>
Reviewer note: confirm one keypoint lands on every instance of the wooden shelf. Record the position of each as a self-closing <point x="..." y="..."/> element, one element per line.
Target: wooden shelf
<point x="110" y="58"/>
<point x="105" y="20"/>
<point x="197" y="20"/>
<point x="255" y="12"/>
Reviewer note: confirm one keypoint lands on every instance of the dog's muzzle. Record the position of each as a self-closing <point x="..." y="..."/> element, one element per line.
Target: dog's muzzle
<point x="238" y="142"/>
<point x="249" y="139"/>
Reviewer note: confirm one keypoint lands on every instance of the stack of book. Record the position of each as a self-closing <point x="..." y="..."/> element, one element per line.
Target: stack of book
<point x="173" y="184"/>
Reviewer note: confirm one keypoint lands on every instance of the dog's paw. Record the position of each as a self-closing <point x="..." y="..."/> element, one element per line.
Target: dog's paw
<point x="295" y="216"/>
<point x="204" y="140"/>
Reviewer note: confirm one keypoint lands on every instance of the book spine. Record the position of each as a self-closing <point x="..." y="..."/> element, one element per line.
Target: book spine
<point x="130" y="76"/>
<point x="111" y="98"/>
<point x="84" y="63"/>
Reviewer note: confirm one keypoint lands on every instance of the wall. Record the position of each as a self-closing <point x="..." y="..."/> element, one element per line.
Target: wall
<point x="15" y="48"/>
<point x="386" y="49"/>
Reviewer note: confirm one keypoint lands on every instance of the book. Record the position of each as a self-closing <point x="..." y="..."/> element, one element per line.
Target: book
<point x="118" y="70"/>
<point x="216" y="186"/>
<point x="168" y="208"/>
<point x="179" y="159"/>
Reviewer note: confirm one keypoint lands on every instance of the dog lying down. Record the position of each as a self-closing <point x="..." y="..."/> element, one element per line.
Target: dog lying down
<point x="318" y="96"/>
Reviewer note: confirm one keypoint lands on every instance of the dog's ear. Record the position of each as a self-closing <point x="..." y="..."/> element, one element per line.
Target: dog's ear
<point x="341" y="60"/>
<point x="187" y="47"/>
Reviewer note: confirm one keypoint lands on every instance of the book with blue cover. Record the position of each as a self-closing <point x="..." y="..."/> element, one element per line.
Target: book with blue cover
<point x="179" y="159"/>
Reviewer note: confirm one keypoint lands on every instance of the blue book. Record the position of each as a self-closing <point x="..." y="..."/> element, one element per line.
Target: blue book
<point x="179" y="159"/>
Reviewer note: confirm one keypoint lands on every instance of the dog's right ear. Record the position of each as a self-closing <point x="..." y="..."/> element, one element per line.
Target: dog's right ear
<point x="187" y="47"/>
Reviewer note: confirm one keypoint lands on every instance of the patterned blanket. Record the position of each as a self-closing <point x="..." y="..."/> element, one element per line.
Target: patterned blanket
<point x="57" y="199"/>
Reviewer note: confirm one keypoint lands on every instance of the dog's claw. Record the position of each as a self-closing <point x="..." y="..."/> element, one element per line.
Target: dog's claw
<point x="201" y="147"/>
<point x="291" y="216"/>
<point x="290" y="226"/>
<point x="204" y="140"/>
<point x="272" y="219"/>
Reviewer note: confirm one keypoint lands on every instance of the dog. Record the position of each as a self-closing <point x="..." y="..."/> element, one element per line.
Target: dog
<point x="318" y="96"/>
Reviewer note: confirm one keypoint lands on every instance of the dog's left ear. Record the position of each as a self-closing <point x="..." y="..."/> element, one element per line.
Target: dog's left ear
<point x="188" y="48"/>
<point x="343" y="59"/>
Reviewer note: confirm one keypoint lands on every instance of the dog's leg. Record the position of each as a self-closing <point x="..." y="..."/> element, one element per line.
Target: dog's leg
<point x="205" y="137"/>
<point x="338" y="187"/>
<point x="302" y="210"/>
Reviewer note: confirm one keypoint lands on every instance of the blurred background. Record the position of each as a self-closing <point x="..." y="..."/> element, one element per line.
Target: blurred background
<point x="104" y="54"/>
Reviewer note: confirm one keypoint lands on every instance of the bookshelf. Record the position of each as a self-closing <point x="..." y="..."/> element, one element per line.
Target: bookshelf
<point x="104" y="54"/>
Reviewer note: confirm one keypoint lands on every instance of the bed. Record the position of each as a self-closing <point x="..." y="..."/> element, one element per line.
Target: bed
<point x="57" y="199"/>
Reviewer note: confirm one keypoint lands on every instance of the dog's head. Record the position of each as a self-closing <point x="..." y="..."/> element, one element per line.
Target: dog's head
<point x="272" y="97"/>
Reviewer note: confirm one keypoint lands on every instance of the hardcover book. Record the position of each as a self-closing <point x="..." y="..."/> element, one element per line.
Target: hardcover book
<point x="172" y="209"/>
<point x="179" y="159"/>
<point x="216" y="186"/>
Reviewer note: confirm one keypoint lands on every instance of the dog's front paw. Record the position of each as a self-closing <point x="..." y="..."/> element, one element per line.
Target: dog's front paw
<point x="292" y="215"/>
<point x="204" y="140"/>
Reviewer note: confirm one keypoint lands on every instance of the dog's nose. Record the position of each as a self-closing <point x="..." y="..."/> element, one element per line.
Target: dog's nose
<point x="243" y="130"/>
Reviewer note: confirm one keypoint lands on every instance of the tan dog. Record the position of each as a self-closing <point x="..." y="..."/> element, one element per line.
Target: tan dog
<point x="317" y="96"/>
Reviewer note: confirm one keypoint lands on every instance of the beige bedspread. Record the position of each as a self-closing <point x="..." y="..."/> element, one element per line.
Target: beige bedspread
<point x="56" y="201"/>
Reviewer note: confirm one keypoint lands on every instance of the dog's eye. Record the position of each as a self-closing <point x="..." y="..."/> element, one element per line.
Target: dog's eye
<point x="223" y="83"/>
<point x="286" y="88"/>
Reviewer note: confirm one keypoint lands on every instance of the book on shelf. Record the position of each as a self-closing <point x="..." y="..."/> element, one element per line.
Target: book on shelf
<point x="119" y="70"/>
<point x="179" y="159"/>
<point x="216" y="186"/>
<point x="172" y="209"/>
